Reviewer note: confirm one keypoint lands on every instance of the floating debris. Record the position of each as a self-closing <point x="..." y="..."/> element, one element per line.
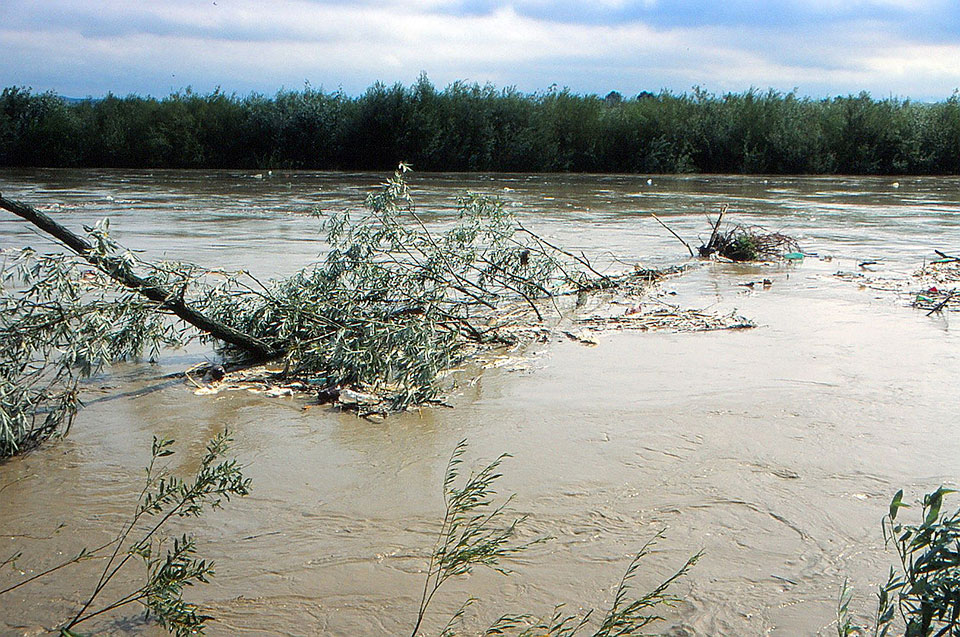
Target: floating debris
<point x="738" y="243"/>
<point x="880" y="284"/>
<point x="765" y="284"/>
<point x="933" y="288"/>
<point x="329" y="394"/>
<point x="668" y="318"/>
<point x="584" y="337"/>
<point x="939" y="282"/>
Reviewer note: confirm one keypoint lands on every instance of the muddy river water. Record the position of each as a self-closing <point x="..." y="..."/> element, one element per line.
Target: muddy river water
<point x="774" y="450"/>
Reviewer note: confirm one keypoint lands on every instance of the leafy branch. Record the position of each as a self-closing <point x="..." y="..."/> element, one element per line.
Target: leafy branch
<point x="170" y="565"/>
<point x="923" y="594"/>
<point x="474" y="533"/>
<point x="61" y="323"/>
<point x="390" y="307"/>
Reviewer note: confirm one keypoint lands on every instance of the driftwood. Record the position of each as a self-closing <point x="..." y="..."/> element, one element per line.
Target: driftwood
<point x="117" y="270"/>
<point x="939" y="306"/>
<point x="667" y="317"/>
<point x="711" y="246"/>
<point x="670" y="230"/>
<point x="945" y="258"/>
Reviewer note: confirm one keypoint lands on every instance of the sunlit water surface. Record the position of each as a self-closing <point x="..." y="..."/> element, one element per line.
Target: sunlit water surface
<point x="774" y="450"/>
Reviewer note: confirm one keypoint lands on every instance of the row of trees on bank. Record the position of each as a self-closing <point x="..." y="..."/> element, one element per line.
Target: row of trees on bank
<point x="469" y="127"/>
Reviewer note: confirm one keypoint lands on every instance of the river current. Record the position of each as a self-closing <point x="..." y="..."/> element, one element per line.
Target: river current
<point x="774" y="450"/>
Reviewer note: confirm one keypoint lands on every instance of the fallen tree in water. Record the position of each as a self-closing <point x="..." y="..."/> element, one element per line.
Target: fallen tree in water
<point x="390" y="308"/>
<point x="59" y="323"/>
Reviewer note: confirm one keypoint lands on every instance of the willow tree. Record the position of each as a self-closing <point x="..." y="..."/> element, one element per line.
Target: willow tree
<point x="387" y="310"/>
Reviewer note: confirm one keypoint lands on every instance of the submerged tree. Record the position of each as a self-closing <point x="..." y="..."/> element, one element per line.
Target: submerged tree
<point x="387" y="310"/>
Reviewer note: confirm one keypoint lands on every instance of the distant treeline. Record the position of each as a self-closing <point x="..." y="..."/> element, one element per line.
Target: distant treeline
<point x="468" y="127"/>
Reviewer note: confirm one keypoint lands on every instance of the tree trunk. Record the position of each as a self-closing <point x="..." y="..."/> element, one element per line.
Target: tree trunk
<point x="115" y="269"/>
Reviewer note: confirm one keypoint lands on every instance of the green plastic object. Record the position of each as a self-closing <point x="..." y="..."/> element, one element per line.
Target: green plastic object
<point x="793" y="256"/>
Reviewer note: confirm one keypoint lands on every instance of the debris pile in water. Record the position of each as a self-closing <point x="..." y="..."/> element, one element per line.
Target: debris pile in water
<point x="939" y="282"/>
<point x="633" y="308"/>
<point x="666" y="318"/>
<point x="933" y="288"/>
<point x="747" y="243"/>
<point x="741" y="243"/>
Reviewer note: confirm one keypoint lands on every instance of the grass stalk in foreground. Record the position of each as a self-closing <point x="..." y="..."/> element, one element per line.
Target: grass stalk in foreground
<point x="475" y="532"/>
<point x="171" y="563"/>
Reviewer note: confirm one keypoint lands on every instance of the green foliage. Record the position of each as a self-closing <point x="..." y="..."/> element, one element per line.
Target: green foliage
<point x="845" y="625"/>
<point x="393" y="305"/>
<point x="37" y="130"/>
<point x="170" y="564"/>
<point x="744" y="249"/>
<point x="924" y="593"/>
<point x="60" y="323"/>
<point x="628" y="616"/>
<point x="630" y="613"/>
<point x="475" y="533"/>
<point x="480" y="128"/>
<point x="472" y="533"/>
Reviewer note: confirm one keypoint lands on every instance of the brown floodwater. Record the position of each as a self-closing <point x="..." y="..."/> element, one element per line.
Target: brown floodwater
<point x="774" y="450"/>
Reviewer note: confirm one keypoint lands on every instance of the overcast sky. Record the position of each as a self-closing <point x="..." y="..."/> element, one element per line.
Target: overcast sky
<point x="905" y="48"/>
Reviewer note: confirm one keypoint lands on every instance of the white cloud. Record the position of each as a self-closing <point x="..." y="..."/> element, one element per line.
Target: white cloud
<point x="245" y="45"/>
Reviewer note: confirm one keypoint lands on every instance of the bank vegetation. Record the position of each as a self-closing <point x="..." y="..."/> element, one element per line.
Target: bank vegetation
<point x="472" y="127"/>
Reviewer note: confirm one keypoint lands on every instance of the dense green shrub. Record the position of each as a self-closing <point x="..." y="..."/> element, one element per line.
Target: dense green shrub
<point x="473" y="127"/>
